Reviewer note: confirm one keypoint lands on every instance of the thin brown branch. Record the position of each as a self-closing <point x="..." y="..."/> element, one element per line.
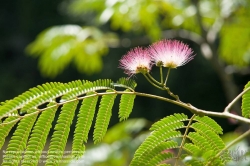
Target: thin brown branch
<point x="235" y="100"/>
<point x="188" y="106"/>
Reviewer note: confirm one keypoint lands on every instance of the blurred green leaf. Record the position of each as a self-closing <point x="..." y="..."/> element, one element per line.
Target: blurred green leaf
<point x="235" y="39"/>
<point x="126" y="15"/>
<point x="58" y="46"/>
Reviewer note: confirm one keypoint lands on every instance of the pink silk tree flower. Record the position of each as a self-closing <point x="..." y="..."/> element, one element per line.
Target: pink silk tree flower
<point x="136" y="61"/>
<point x="170" y="53"/>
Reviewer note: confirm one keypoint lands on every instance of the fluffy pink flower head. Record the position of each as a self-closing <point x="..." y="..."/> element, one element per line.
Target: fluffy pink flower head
<point x="136" y="61"/>
<point x="170" y="53"/>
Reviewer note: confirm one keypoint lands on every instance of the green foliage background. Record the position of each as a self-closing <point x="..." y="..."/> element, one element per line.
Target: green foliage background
<point x="110" y="28"/>
<point x="86" y="45"/>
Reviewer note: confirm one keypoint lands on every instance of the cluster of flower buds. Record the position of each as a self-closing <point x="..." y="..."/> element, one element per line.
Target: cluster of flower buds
<point x="165" y="53"/>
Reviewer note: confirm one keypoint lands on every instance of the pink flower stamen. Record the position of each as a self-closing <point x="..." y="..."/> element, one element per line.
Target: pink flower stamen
<point x="136" y="61"/>
<point x="170" y="53"/>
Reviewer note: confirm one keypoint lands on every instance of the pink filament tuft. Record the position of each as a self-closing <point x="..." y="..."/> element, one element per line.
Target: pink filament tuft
<point x="170" y="53"/>
<point x="135" y="61"/>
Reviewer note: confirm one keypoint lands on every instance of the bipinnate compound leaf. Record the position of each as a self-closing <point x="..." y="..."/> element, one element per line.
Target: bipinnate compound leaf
<point x="34" y="113"/>
<point x="201" y="146"/>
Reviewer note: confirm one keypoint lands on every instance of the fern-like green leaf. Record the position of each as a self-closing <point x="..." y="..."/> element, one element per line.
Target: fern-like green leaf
<point x="199" y="141"/>
<point x="76" y="89"/>
<point x="192" y="149"/>
<point x="44" y="93"/>
<point x="5" y="129"/>
<point x="210" y="123"/>
<point x="154" y="140"/>
<point x="50" y="93"/>
<point x="126" y="105"/>
<point x="61" y="133"/>
<point x="36" y="97"/>
<point x="125" y="83"/>
<point x="246" y="102"/>
<point x="164" y="130"/>
<point x="24" y="100"/>
<point x="208" y="155"/>
<point x="19" y="140"/>
<point x="103" y="116"/>
<point x="215" y="141"/>
<point x="206" y="146"/>
<point x="107" y="83"/>
<point x="155" y="154"/>
<point x="169" y="120"/>
<point x="84" y="121"/>
<point x="87" y="86"/>
<point x="39" y="135"/>
<point x="209" y="143"/>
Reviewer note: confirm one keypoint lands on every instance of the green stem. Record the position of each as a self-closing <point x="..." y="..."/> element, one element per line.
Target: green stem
<point x="152" y="82"/>
<point x="161" y="75"/>
<point x="158" y="84"/>
<point x="167" y="77"/>
<point x="236" y="99"/>
<point x="152" y="78"/>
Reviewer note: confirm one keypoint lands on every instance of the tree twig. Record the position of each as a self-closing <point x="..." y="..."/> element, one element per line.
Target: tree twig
<point x="235" y="100"/>
<point x="188" y="106"/>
